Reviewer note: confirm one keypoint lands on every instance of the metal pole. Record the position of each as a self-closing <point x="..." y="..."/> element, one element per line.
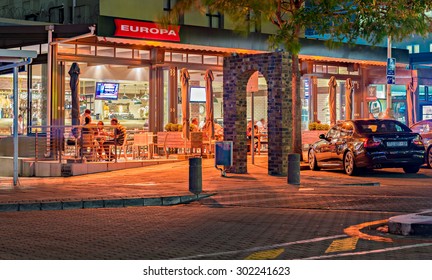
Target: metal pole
<point x="15" y="126"/>
<point x="253" y="129"/>
<point x="389" y="55"/>
<point x="50" y="30"/>
<point x="294" y="169"/>
<point x="195" y="175"/>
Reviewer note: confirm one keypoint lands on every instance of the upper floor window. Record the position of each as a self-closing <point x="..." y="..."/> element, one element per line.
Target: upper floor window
<point x="254" y="21"/>
<point x="409" y="48"/>
<point x="168" y="6"/>
<point x="215" y="19"/>
<point x="430" y="47"/>
<point x="416" y="48"/>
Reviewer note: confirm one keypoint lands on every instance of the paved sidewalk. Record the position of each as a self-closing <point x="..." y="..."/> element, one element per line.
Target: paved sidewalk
<point x="164" y="184"/>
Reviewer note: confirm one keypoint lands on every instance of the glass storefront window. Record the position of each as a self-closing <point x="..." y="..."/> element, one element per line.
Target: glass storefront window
<point x="32" y="48"/>
<point x="32" y="106"/>
<point x="194" y="58"/>
<point x="66" y="48"/>
<point x="105" y="51"/>
<point x="167" y="56"/>
<point x="426" y="112"/>
<point x="332" y="69"/>
<point x="131" y="107"/>
<point x="38" y="97"/>
<point x="44" y="48"/>
<point x="210" y="59"/>
<point x="319" y="69"/>
<point x="423" y="93"/>
<point x="86" y="50"/>
<point x="123" y="53"/>
<point x="165" y="96"/>
<point x="178" y="57"/>
<point x="141" y="54"/>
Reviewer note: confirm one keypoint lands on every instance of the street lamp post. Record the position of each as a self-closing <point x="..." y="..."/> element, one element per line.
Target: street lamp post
<point x="388" y="89"/>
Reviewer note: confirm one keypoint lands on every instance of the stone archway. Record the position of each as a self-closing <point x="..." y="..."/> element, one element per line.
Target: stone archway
<point x="276" y="68"/>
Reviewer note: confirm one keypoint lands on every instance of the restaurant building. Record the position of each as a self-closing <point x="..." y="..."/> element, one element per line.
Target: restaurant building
<point x="123" y="49"/>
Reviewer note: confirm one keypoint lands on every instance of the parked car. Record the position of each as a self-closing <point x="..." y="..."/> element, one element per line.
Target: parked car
<point x="361" y="144"/>
<point x="424" y="128"/>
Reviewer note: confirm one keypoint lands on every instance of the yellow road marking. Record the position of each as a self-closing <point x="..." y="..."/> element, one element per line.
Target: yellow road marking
<point x="265" y="255"/>
<point x="354" y="231"/>
<point x="341" y="245"/>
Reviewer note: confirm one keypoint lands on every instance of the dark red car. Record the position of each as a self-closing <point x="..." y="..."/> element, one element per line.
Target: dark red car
<point x="356" y="145"/>
<point x="424" y="128"/>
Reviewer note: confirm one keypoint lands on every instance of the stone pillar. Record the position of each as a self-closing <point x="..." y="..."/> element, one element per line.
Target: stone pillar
<point x="276" y="68"/>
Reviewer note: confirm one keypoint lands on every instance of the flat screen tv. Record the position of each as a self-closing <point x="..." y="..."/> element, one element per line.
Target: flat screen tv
<point x="106" y="91"/>
<point x="197" y="94"/>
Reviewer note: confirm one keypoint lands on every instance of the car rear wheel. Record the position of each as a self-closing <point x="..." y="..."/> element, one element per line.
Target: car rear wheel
<point x="411" y="169"/>
<point x="429" y="157"/>
<point x="313" y="165"/>
<point x="349" y="164"/>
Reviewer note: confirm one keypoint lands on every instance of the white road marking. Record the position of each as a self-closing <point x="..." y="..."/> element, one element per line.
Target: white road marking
<point x="368" y="252"/>
<point x="262" y="248"/>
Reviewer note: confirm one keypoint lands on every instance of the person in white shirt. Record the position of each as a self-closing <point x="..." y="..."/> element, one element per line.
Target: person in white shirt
<point x="21" y="127"/>
<point x="261" y="125"/>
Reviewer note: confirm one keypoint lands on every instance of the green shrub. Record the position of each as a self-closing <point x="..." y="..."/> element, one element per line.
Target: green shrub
<point x="318" y="126"/>
<point x="312" y="125"/>
<point x="168" y="126"/>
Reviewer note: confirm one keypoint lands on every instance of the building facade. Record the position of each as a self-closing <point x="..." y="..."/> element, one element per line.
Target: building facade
<point x="124" y="52"/>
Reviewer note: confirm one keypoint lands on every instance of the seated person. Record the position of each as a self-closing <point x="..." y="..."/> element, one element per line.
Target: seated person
<point x="249" y="133"/>
<point x="88" y="132"/>
<point x="101" y="135"/>
<point x="119" y="136"/>
<point x="194" y="125"/>
<point x="218" y="131"/>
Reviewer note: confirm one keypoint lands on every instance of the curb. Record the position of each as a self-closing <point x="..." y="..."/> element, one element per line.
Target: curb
<point x="101" y="203"/>
<point x="411" y="224"/>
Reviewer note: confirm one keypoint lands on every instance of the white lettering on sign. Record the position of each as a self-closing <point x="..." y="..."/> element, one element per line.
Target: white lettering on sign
<point x="142" y="29"/>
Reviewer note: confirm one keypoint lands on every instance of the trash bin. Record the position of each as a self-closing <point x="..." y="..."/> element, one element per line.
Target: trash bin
<point x="223" y="155"/>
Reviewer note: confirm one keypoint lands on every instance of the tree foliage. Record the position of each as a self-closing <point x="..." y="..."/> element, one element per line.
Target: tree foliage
<point x="343" y="21"/>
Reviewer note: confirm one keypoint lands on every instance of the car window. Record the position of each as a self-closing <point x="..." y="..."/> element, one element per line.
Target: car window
<point x="333" y="132"/>
<point x="389" y="127"/>
<point x="423" y="127"/>
<point x="381" y="126"/>
<point x="347" y="129"/>
<point x="368" y="128"/>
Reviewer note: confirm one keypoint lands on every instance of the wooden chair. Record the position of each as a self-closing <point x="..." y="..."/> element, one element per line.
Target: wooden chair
<point x="121" y="150"/>
<point x="89" y="147"/>
<point x="208" y="144"/>
<point x="262" y="140"/>
<point x="143" y="140"/>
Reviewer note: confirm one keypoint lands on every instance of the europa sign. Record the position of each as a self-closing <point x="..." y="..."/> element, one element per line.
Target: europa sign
<point x="146" y="30"/>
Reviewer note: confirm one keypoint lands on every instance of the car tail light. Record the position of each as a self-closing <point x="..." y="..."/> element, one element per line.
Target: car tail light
<point x="418" y="141"/>
<point x="371" y="143"/>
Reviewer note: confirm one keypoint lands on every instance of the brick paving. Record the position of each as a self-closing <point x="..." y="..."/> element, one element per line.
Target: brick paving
<point x="168" y="184"/>
<point x="243" y="212"/>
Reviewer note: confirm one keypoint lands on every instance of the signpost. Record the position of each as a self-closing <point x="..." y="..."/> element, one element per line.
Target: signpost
<point x="391" y="71"/>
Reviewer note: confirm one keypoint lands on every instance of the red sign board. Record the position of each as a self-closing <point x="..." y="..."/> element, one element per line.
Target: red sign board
<point x="146" y="30"/>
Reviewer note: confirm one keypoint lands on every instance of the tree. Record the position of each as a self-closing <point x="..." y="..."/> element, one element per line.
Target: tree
<point x="344" y="21"/>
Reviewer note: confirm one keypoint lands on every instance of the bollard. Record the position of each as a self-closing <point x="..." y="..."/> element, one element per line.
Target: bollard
<point x="294" y="169"/>
<point x="195" y="175"/>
